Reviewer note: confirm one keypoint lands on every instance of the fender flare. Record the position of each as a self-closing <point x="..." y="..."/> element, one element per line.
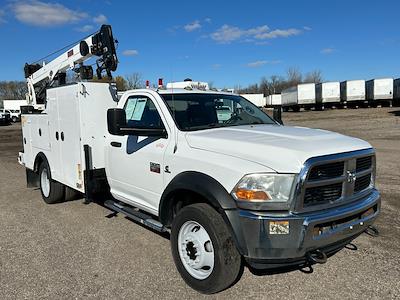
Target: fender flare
<point x="216" y="195"/>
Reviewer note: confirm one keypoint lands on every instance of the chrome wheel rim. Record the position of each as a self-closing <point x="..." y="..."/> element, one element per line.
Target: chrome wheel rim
<point x="45" y="182"/>
<point x="196" y="250"/>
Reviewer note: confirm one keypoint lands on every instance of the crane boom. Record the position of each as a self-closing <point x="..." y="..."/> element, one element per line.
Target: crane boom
<point x="40" y="77"/>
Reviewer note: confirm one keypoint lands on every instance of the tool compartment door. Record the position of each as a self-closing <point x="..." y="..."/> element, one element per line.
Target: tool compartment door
<point x="70" y="137"/>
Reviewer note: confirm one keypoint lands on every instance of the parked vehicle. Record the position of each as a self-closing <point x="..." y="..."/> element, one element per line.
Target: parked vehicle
<point x="302" y="95"/>
<point x="14" y="104"/>
<point x="245" y="189"/>
<point x="396" y="92"/>
<point x="257" y="99"/>
<point x="5" y="117"/>
<point x="352" y="92"/>
<point x="379" y="91"/>
<point x="274" y="100"/>
<point x="327" y="94"/>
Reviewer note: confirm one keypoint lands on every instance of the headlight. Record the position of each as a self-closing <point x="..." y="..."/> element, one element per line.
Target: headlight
<point x="265" y="188"/>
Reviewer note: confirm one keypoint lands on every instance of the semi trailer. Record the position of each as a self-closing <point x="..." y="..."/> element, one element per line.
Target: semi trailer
<point x="379" y="91"/>
<point x="327" y="94"/>
<point x="230" y="192"/>
<point x="257" y="99"/>
<point x="352" y="93"/>
<point x="274" y="100"/>
<point x="299" y="96"/>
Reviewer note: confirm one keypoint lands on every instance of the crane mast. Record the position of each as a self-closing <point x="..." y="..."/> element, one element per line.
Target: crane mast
<point x="40" y="77"/>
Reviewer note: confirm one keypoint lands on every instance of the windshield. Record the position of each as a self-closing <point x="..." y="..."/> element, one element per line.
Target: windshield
<point x="201" y="111"/>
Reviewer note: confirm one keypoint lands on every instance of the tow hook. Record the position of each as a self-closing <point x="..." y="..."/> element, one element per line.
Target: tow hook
<point x="316" y="257"/>
<point x="372" y="231"/>
<point x="313" y="257"/>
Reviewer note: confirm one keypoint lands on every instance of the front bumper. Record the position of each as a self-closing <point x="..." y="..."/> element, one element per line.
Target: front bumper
<point x="263" y="250"/>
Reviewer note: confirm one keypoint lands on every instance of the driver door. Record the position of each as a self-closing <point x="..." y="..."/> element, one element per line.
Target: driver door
<point x="135" y="163"/>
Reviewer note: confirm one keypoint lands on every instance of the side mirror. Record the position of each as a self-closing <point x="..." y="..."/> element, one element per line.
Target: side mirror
<point x="277" y="114"/>
<point x="116" y="122"/>
<point x="116" y="119"/>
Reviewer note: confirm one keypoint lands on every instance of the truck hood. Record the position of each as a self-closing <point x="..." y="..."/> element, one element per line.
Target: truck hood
<point x="281" y="148"/>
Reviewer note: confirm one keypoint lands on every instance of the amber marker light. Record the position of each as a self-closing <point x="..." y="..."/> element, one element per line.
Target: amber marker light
<point x="249" y="195"/>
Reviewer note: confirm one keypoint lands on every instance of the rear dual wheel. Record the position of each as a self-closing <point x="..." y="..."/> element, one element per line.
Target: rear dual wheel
<point x="203" y="249"/>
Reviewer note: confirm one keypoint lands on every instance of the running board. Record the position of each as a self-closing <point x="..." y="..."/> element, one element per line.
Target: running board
<point x="136" y="215"/>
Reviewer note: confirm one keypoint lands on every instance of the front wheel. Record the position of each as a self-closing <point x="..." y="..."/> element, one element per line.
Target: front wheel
<point x="203" y="249"/>
<point x="52" y="191"/>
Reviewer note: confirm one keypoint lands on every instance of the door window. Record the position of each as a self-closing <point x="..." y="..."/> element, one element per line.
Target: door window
<point x="142" y="113"/>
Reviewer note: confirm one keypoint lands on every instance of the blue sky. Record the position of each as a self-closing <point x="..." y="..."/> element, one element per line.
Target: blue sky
<point x="229" y="43"/>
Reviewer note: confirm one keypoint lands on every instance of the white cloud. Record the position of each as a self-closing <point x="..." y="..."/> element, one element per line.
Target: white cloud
<point x="260" y="63"/>
<point x="208" y="20"/>
<point x="46" y="14"/>
<point x="130" y="52"/>
<point x="2" y="14"/>
<point x="256" y="64"/>
<point x="216" y="66"/>
<point x="307" y="28"/>
<point x="328" y="50"/>
<point x="100" y="19"/>
<point x="195" y="25"/>
<point x="85" y="28"/>
<point x="227" y="34"/>
<point x="278" y="33"/>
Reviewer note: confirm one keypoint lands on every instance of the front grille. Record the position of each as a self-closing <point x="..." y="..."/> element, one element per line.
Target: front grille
<point x="322" y="194"/>
<point x="338" y="180"/>
<point x="327" y="171"/>
<point x="363" y="163"/>
<point x="362" y="183"/>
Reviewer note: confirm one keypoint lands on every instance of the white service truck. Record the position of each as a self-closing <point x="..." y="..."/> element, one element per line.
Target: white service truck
<point x="239" y="191"/>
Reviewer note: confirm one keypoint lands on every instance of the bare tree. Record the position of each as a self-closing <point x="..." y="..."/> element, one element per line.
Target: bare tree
<point x="13" y="90"/>
<point x="314" y="77"/>
<point x="134" y="81"/>
<point x="294" y="76"/>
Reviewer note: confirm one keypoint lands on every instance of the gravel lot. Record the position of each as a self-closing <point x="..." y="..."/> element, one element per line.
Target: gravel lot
<point x="72" y="251"/>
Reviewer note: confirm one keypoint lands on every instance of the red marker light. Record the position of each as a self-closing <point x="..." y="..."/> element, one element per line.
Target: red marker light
<point x="160" y="82"/>
<point x="147" y="84"/>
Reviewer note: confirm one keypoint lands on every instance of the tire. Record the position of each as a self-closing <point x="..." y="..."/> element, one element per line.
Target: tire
<point x="52" y="191"/>
<point x="211" y="235"/>
<point x="14" y="119"/>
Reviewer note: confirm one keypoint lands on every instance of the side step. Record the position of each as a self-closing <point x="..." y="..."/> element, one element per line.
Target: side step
<point x="136" y="215"/>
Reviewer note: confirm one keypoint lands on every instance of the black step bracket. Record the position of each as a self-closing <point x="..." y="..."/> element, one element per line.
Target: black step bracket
<point x="136" y="215"/>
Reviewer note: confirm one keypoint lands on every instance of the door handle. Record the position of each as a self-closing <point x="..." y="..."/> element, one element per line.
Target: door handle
<point x="116" y="144"/>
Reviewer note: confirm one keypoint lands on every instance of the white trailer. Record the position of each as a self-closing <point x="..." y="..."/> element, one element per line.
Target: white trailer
<point x="274" y="100"/>
<point x="302" y="95"/>
<point x="352" y="92"/>
<point x="396" y="92"/>
<point x="379" y="91"/>
<point x="257" y="99"/>
<point x="14" y="104"/>
<point x="327" y="93"/>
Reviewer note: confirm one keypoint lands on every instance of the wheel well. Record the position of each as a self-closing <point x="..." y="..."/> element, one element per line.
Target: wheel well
<point x="179" y="199"/>
<point x="40" y="158"/>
